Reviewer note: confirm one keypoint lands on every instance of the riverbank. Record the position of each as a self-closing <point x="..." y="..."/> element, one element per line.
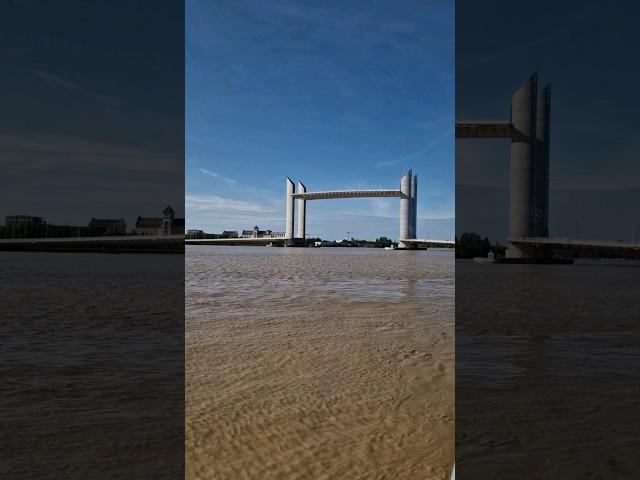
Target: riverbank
<point x="115" y="244"/>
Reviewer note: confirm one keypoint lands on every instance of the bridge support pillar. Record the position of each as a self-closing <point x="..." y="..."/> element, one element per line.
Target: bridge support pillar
<point x="521" y="202"/>
<point x="302" y="214"/>
<point x="523" y="118"/>
<point x="414" y="207"/>
<point x="529" y="191"/>
<point x="290" y="208"/>
<point x="405" y="208"/>
<point x="541" y="208"/>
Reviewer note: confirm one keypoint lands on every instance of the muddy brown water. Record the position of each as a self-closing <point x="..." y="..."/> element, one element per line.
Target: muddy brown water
<point x="322" y="363"/>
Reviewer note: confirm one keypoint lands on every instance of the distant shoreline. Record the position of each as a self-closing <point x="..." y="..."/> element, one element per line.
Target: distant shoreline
<point x="122" y="244"/>
<point x="139" y="244"/>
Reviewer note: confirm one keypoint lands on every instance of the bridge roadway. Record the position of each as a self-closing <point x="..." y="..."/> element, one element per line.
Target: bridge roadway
<point x="348" y="194"/>
<point x="420" y="242"/>
<point x="484" y="129"/>
<point x="579" y="248"/>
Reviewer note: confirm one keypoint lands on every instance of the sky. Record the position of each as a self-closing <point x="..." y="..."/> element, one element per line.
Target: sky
<point x="582" y="49"/>
<point x="338" y="95"/>
<point x="92" y="113"/>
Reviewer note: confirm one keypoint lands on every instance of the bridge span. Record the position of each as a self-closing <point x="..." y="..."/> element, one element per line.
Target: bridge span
<point x="348" y="194"/>
<point x="484" y="129"/>
<point x="421" y="242"/>
<point x="545" y="246"/>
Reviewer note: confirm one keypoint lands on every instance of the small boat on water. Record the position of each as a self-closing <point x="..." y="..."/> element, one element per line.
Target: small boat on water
<point x="392" y="247"/>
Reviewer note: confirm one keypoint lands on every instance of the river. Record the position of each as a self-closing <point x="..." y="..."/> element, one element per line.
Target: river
<point x="319" y="363"/>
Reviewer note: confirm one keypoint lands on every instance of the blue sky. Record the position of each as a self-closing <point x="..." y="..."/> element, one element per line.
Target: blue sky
<point x="338" y="95"/>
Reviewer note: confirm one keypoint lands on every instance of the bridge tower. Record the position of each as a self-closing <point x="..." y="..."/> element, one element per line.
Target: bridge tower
<point x="529" y="191"/>
<point x="302" y="214"/>
<point x="408" y="210"/>
<point x="290" y="207"/>
<point x="414" y="207"/>
<point x="405" y="200"/>
<point x="541" y="214"/>
<point x="528" y="129"/>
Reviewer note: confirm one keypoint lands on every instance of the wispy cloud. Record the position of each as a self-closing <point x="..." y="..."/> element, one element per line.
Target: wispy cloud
<point x="215" y="213"/>
<point x="382" y="207"/>
<point x="28" y="152"/>
<point x="411" y="156"/>
<point x="388" y="163"/>
<point x="214" y="203"/>
<point x="109" y="103"/>
<point x="229" y="181"/>
<point x="55" y="80"/>
<point x="208" y="172"/>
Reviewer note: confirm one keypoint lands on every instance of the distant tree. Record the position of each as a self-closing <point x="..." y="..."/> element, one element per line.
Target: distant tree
<point x="486" y="247"/>
<point x="472" y="245"/>
<point x="311" y="241"/>
<point x="383" y="242"/>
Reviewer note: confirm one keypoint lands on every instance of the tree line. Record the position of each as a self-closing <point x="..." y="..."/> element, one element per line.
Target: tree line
<point x="471" y="245"/>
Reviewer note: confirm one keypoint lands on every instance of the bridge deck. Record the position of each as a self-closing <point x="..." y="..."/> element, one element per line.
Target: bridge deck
<point x="484" y="130"/>
<point x="576" y="243"/>
<point x="348" y="194"/>
<point x="430" y="243"/>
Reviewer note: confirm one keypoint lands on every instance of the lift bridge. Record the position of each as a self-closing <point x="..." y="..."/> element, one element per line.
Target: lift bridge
<point x="295" y="225"/>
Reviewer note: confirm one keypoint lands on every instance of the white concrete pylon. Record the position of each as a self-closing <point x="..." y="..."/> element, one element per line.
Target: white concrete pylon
<point x="405" y="201"/>
<point x="414" y="206"/>
<point x="523" y="119"/>
<point x="541" y="168"/>
<point x="411" y="202"/>
<point x="290" y="202"/>
<point x="302" y="214"/>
